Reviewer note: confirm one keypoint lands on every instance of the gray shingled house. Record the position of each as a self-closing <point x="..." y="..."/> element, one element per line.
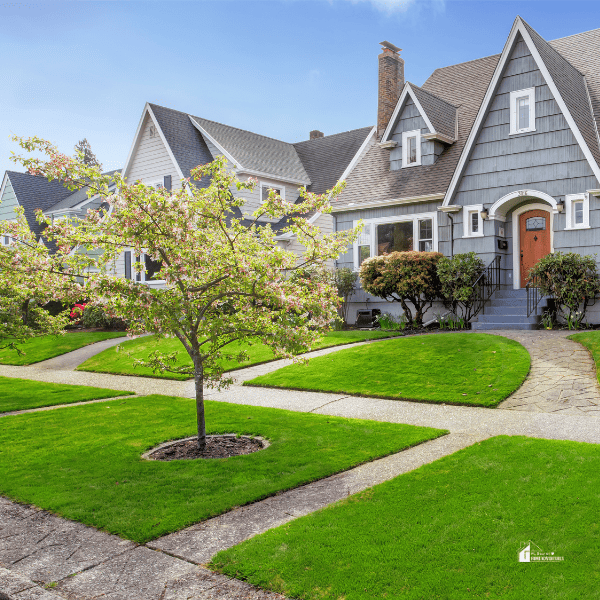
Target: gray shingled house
<point x="498" y="155"/>
<point x="169" y="143"/>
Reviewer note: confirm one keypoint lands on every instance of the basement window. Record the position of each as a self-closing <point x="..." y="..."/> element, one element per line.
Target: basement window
<point x="522" y="111"/>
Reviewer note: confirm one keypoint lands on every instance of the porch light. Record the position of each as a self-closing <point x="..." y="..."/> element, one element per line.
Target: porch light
<point x="560" y="207"/>
<point x="484" y="214"/>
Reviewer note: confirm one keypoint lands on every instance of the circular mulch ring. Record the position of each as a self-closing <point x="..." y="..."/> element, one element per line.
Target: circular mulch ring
<point x="217" y="446"/>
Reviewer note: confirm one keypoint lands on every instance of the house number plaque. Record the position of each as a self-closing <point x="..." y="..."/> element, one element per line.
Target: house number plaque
<point x="522" y="192"/>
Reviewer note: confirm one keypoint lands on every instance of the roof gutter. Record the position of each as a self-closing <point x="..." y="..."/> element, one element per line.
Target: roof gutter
<point x="396" y="201"/>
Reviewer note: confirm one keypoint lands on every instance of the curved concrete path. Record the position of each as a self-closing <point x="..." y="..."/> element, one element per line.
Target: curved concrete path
<point x="557" y="401"/>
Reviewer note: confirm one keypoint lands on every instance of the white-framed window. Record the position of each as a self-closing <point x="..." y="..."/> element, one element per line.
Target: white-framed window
<point x="577" y="210"/>
<point x="149" y="268"/>
<point x="472" y="221"/>
<point x="411" y="148"/>
<point x="396" y="234"/>
<point x="522" y="111"/>
<point x="265" y="188"/>
<point x="6" y="240"/>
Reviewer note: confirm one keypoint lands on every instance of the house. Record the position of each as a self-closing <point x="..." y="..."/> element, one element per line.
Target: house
<point x="168" y="144"/>
<point x="499" y="156"/>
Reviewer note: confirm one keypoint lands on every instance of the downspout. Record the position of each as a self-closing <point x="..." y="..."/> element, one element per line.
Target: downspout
<point x="451" y="234"/>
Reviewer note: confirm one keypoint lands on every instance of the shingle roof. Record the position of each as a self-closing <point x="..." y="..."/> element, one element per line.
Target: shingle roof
<point x="74" y="198"/>
<point x="257" y="152"/>
<point x="442" y="114"/>
<point x="36" y="192"/>
<point x="571" y="86"/>
<point x="464" y="85"/>
<point x="186" y="142"/>
<point x="326" y="158"/>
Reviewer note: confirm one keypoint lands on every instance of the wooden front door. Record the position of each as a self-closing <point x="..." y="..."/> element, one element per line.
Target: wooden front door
<point x="534" y="227"/>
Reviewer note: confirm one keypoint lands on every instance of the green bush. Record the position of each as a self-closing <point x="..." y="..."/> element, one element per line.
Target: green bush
<point x="404" y="277"/>
<point x="457" y="276"/>
<point x="96" y="316"/>
<point x="571" y="279"/>
<point x="345" y="280"/>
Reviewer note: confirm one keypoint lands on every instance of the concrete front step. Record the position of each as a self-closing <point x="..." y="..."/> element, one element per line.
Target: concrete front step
<point x="523" y="318"/>
<point x="508" y="293"/>
<point x="509" y="310"/>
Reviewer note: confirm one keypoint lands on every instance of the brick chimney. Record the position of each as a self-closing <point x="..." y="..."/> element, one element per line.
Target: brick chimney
<point x="391" y="82"/>
<point x="315" y="133"/>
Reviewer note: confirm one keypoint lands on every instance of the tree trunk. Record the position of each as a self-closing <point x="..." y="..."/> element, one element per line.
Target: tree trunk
<point x="199" y="382"/>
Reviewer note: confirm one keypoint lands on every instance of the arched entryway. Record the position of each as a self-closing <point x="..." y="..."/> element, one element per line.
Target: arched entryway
<point x="532" y="228"/>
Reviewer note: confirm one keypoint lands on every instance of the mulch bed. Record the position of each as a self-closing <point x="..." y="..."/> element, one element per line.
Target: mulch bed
<point x="223" y="446"/>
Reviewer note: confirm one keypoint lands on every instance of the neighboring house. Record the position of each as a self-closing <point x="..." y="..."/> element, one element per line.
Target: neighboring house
<point x="498" y="155"/>
<point x="168" y="144"/>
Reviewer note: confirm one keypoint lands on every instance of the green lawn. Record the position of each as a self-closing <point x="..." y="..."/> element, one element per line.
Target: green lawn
<point x="85" y="463"/>
<point x="43" y="348"/>
<point x="121" y="361"/>
<point x="22" y="394"/>
<point x="449" y="530"/>
<point x="591" y="340"/>
<point x="455" y="368"/>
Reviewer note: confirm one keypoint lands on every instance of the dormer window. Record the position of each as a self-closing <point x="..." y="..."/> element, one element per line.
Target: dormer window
<point x="522" y="111"/>
<point x="411" y="148"/>
<point x="265" y="188"/>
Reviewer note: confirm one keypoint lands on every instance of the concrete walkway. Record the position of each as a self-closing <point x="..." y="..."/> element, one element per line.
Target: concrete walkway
<point x="559" y="400"/>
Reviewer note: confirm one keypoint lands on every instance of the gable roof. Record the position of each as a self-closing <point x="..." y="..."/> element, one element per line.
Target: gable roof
<point x="35" y="192"/>
<point x="439" y="115"/>
<point x="326" y="158"/>
<point x="567" y="84"/>
<point x="254" y="153"/>
<point x="463" y="86"/>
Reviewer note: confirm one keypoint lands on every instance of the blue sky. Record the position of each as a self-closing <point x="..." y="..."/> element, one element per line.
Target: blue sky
<point x="280" y="68"/>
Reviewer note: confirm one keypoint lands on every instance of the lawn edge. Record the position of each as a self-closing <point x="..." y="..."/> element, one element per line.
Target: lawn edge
<point x="262" y="362"/>
<point x="570" y="338"/>
<point x="57" y="355"/>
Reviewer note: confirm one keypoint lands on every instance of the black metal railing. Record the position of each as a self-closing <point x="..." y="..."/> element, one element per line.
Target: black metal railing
<point x="485" y="285"/>
<point x="533" y="295"/>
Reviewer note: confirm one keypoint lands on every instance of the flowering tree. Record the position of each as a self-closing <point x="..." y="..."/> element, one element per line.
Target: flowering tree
<point x="225" y="279"/>
<point x="31" y="276"/>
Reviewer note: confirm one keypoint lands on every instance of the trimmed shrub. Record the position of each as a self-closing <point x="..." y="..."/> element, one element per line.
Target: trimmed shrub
<point x="404" y="277"/>
<point x="96" y="316"/>
<point x="571" y="279"/>
<point x="457" y="276"/>
<point x="345" y="280"/>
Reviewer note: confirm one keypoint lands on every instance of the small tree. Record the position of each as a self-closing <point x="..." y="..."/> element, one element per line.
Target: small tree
<point x="30" y="277"/>
<point x="571" y="279"/>
<point x="84" y="151"/>
<point x="226" y="280"/>
<point x="458" y="275"/>
<point x="345" y="280"/>
<point x="404" y="277"/>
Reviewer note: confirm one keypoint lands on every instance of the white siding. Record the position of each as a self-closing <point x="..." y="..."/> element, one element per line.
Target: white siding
<point x="151" y="160"/>
<point x="8" y="202"/>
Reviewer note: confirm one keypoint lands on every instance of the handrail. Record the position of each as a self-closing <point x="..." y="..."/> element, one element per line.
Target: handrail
<point x="533" y="295"/>
<point x="485" y="285"/>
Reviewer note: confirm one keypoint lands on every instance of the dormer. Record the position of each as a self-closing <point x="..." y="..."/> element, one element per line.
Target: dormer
<point x="421" y="126"/>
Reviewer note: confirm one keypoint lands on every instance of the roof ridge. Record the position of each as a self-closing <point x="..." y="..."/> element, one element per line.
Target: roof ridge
<point x="573" y="35"/>
<point x="331" y="135"/>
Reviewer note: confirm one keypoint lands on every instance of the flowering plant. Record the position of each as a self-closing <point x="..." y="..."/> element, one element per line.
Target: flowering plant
<point x="226" y="278"/>
<point x="77" y="312"/>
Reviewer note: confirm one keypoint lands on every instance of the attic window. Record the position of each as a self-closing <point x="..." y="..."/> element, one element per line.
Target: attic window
<point x="522" y="111"/>
<point x="265" y="188"/>
<point x="411" y="148"/>
<point x="152" y="131"/>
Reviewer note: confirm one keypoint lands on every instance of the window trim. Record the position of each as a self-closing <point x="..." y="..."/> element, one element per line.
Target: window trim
<point x="154" y="182"/>
<point x="467" y="210"/>
<point x="415" y="218"/>
<point x="570" y="200"/>
<point x="513" y="110"/>
<point x="135" y="272"/>
<point x="405" y="135"/>
<point x="271" y="186"/>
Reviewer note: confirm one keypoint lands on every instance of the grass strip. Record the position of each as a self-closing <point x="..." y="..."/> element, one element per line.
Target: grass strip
<point x="475" y="369"/>
<point x="43" y="348"/>
<point x="120" y="361"/>
<point x="451" y="529"/>
<point x="23" y="394"/>
<point x="85" y="463"/>
<point x="591" y="340"/>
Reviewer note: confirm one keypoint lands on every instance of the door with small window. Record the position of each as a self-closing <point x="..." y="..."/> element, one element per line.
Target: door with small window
<point x="534" y="230"/>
